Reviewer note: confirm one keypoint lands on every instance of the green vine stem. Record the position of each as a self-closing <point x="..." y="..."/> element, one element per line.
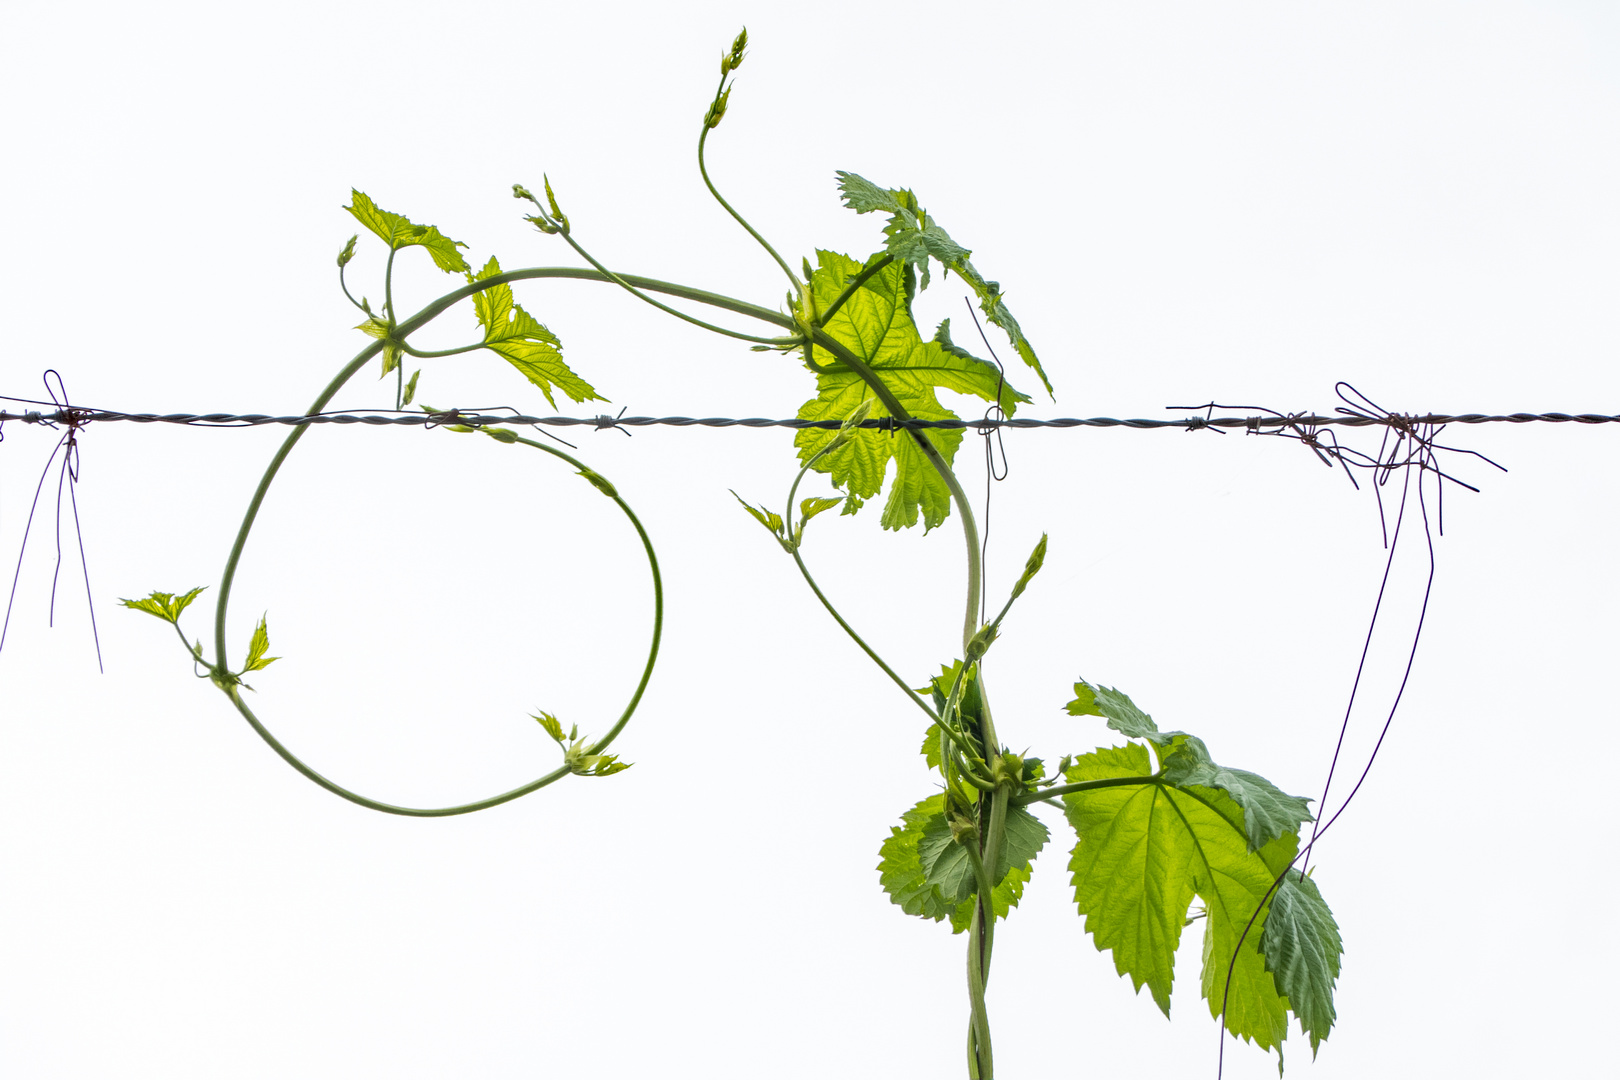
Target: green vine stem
<point x="970" y="528"/>
<point x="233" y="690"/>
<point x="234" y="559"/>
<point x="810" y="580"/>
<point x="798" y="286"/>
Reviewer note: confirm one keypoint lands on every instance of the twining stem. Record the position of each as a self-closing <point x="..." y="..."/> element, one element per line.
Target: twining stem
<point x="970" y="528"/>
<point x="410" y="325"/>
<point x="233" y="691"/>
<point x="703" y="168"/>
<point x="831" y="610"/>
<point x="981" y="1061"/>
<point x="629" y="286"/>
<point x="421" y="319"/>
<point x="982" y="935"/>
<point x="981" y="932"/>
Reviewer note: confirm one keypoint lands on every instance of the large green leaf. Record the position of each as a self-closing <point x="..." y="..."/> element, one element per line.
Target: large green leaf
<point x="1303" y="950"/>
<point x="913" y="238"/>
<point x="1145" y="851"/>
<point x="397" y="232"/>
<point x="1268" y="812"/>
<point x="876" y="325"/>
<point x="1132" y="881"/>
<point x="514" y="334"/>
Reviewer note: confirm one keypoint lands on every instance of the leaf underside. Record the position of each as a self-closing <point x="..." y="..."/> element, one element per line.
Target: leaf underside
<point x="928" y="874"/>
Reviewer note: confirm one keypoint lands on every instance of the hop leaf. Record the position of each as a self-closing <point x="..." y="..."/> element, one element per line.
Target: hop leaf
<point x="398" y="232"/>
<point x="914" y="238"/>
<point x="513" y="334"/>
<point x="166" y="606"/>
<point x="921" y="865"/>
<point x="876" y="325"/>
<point x="258" y="645"/>
<point x="771" y="520"/>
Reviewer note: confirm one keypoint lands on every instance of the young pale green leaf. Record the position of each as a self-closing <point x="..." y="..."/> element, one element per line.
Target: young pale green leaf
<point x="809" y="508"/>
<point x="914" y="238"/>
<point x="377" y="328"/>
<point x="397" y="232"/>
<point x="1145" y="851"/>
<point x="876" y="325"/>
<point x="1302" y="948"/>
<point x="258" y="645"/>
<point x="770" y="519"/>
<point x="513" y="334"/>
<point x="410" y="386"/>
<point x="595" y="764"/>
<point x="552" y="725"/>
<point x="166" y="606"/>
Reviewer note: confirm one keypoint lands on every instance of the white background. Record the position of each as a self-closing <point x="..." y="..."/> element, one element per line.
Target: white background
<point x="1183" y="203"/>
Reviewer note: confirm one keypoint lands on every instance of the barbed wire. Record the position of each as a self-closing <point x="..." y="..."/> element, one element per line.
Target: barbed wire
<point x="490" y="416"/>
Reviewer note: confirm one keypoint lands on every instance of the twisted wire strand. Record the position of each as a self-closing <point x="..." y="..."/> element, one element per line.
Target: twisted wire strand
<point x="80" y="415"/>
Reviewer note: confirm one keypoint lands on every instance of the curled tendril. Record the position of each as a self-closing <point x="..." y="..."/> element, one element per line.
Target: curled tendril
<point x="233" y="691"/>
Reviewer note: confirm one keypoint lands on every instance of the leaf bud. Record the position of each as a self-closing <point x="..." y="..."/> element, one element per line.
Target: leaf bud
<point x="599" y="482"/>
<point x="717" y="110"/>
<point x="558" y="216"/>
<point x="981" y="642"/>
<point x="348" y="252"/>
<point x="851" y="424"/>
<point x="1009" y="769"/>
<point x="521" y="192"/>
<point x="964" y="830"/>
<point x="1031" y="567"/>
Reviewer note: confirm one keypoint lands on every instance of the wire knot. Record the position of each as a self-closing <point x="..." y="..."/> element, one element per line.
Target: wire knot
<point x="605" y="422"/>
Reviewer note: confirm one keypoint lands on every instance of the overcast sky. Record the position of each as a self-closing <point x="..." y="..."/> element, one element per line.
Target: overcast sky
<point x="1242" y="203"/>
